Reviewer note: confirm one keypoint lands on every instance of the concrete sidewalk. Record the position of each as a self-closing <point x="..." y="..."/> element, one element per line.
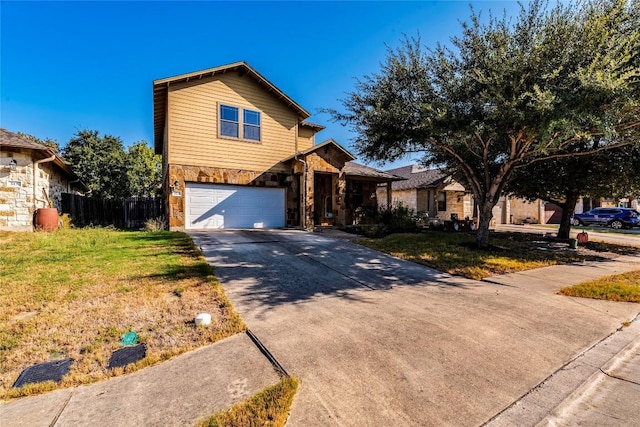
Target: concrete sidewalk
<point x="590" y="374"/>
<point x="176" y="393"/>
<point x="601" y="386"/>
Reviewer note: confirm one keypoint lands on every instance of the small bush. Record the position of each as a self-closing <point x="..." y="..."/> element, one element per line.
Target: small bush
<point x="156" y="224"/>
<point x="377" y="221"/>
<point x="65" y="221"/>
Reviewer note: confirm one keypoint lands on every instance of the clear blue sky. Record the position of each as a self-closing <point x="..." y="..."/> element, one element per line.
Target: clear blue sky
<point x="67" y="66"/>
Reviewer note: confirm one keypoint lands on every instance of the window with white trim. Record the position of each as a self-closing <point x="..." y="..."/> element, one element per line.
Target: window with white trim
<point x="235" y="123"/>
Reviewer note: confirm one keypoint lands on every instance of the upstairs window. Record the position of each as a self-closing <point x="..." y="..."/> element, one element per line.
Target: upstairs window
<point x="251" y="125"/>
<point x="229" y="124"/>
<point x="239" y="123"/>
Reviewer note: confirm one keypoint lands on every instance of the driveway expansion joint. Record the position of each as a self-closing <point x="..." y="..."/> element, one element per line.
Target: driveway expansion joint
<point x="494" y="282"/>
<point x="270" y="357"/>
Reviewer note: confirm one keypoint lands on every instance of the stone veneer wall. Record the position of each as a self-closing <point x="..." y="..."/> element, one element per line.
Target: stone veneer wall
<point x="408" y="197"/>
<point x="204" y="174"/>
<point x="330" y="163"/>
<point x="524" y="211"/>
<point x="16" y="189"/>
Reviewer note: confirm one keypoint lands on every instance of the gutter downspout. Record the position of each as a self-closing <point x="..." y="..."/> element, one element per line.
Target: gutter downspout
<point x="35" y="179"/>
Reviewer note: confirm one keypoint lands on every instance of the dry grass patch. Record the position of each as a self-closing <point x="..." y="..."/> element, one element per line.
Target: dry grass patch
<point x="456" y="253"/>
<point x="620" y="287"/>
<point x="74" y="293"/>
<point x="269" y="408"/>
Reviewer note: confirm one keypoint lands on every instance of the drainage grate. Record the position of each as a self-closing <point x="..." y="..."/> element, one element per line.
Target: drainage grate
<point x="49" y="371"/>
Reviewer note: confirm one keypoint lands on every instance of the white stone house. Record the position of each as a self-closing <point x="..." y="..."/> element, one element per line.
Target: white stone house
<point x="27" y="171"/>
<point x="429" y="191"/>
<point x="438" y="194"/>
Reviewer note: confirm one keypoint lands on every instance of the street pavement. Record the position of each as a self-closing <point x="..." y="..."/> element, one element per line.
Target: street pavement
<point x="380" y="341"/>
<point x="629" y="237"/>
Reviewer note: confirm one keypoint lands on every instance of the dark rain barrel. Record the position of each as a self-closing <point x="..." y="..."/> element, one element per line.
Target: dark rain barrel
<point x="47" y="219"/>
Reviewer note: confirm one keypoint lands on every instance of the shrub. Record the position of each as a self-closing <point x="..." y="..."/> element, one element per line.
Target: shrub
<point x="156" y="224"/>
<point x="65" y="221"/>
<point x="399" y="218"/>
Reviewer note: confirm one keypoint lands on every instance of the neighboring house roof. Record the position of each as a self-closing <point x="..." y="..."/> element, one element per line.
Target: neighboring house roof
<point x="418" y="177"/>
<point x="354" y="169"/>
<point x="160" y="89"/>
<point x="11" y="139"/>
<point x="329" y="142"/>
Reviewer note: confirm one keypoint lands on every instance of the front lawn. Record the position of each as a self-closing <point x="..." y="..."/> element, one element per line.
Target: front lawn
<point x="620" y="287"/>
<point x="455" y="253"/>
<point x="75" y="293"/>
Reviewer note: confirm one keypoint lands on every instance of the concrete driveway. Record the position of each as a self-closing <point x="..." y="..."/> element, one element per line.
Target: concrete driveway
<point x="380" y="341"/>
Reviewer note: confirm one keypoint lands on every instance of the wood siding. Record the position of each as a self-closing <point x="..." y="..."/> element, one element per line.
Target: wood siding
<point x="193" y="125"/>
<point x="306" y="138"/>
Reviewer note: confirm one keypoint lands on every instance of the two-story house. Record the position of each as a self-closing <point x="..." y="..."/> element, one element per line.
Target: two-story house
<point x="239" y="153"/>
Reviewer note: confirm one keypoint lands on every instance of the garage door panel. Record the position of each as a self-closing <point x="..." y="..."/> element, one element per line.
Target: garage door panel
<point x="227" y="206"/>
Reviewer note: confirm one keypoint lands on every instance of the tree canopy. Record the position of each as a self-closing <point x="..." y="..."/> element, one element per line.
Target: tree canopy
<point x="563" y="181"/>
<point x="506" y="95"/>
<point x="144" y="170"/>
<point x="47" y="142"/>
<point x="102" y="163"/>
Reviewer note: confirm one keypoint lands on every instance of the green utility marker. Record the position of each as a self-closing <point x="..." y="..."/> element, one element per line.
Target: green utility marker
<point x="130" y="338"/>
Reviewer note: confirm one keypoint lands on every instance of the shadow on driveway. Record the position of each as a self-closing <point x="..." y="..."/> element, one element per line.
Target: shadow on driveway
<point x="282" y="266"/>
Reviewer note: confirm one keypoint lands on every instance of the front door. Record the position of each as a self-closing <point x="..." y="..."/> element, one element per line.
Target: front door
<point x="322" y="199"/>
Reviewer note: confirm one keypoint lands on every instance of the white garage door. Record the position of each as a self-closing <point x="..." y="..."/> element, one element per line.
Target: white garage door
<point x="233" y="206"/>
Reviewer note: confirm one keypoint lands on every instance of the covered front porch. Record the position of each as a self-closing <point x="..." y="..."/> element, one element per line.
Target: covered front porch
<point x="332" y="189"/>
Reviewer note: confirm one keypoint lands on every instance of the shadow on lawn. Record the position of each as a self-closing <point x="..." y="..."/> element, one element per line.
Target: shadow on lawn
<point x="272" y="269"/>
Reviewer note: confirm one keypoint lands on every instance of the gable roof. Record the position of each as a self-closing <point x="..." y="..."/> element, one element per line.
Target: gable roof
<point x="417" y="177"/>
<point x="160" y="89"/>
<point x="11" y="139"/>
<point x="328" y="143"/>
<point x="354" y="169"/>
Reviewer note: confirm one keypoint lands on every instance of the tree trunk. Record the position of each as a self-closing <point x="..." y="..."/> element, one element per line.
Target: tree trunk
<point x="486" y="213"/>
<point x="571" y="198"/>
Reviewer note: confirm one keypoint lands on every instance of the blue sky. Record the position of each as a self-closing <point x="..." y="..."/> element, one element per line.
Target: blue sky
<point x="67" y="66"/>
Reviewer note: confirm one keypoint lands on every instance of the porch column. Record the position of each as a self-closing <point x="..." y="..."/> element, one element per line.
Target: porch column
<point x="341" y="199"/>
<point x="389" y="195"/>
<point x="309" y="200"/>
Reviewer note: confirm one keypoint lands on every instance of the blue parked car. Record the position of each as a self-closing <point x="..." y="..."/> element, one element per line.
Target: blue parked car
<point x="613" y="217"/>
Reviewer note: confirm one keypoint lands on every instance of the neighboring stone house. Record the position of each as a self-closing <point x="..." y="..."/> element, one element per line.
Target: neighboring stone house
<point x="512" y="210"/>
<point x="429" y="191"/>
<point x="27" y="171"/>
<point x="436" y="193"/>
<point x="239" y="153"/>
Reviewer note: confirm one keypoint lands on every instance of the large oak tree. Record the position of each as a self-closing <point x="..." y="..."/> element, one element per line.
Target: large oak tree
<point x="557" y="82"/>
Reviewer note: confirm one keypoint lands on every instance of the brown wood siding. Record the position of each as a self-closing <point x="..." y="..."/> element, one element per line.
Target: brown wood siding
<point x="193" y="125"/>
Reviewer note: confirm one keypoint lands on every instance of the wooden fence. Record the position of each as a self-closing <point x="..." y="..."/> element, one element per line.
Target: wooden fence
<point x="128" y="213"/>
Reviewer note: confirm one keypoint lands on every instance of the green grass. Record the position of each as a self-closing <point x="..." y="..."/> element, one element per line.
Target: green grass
<point x="269" y="408"/>
<point x="74" y="293"/>
<point x="455" y="253"/>
<point x="621" y="287"/>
